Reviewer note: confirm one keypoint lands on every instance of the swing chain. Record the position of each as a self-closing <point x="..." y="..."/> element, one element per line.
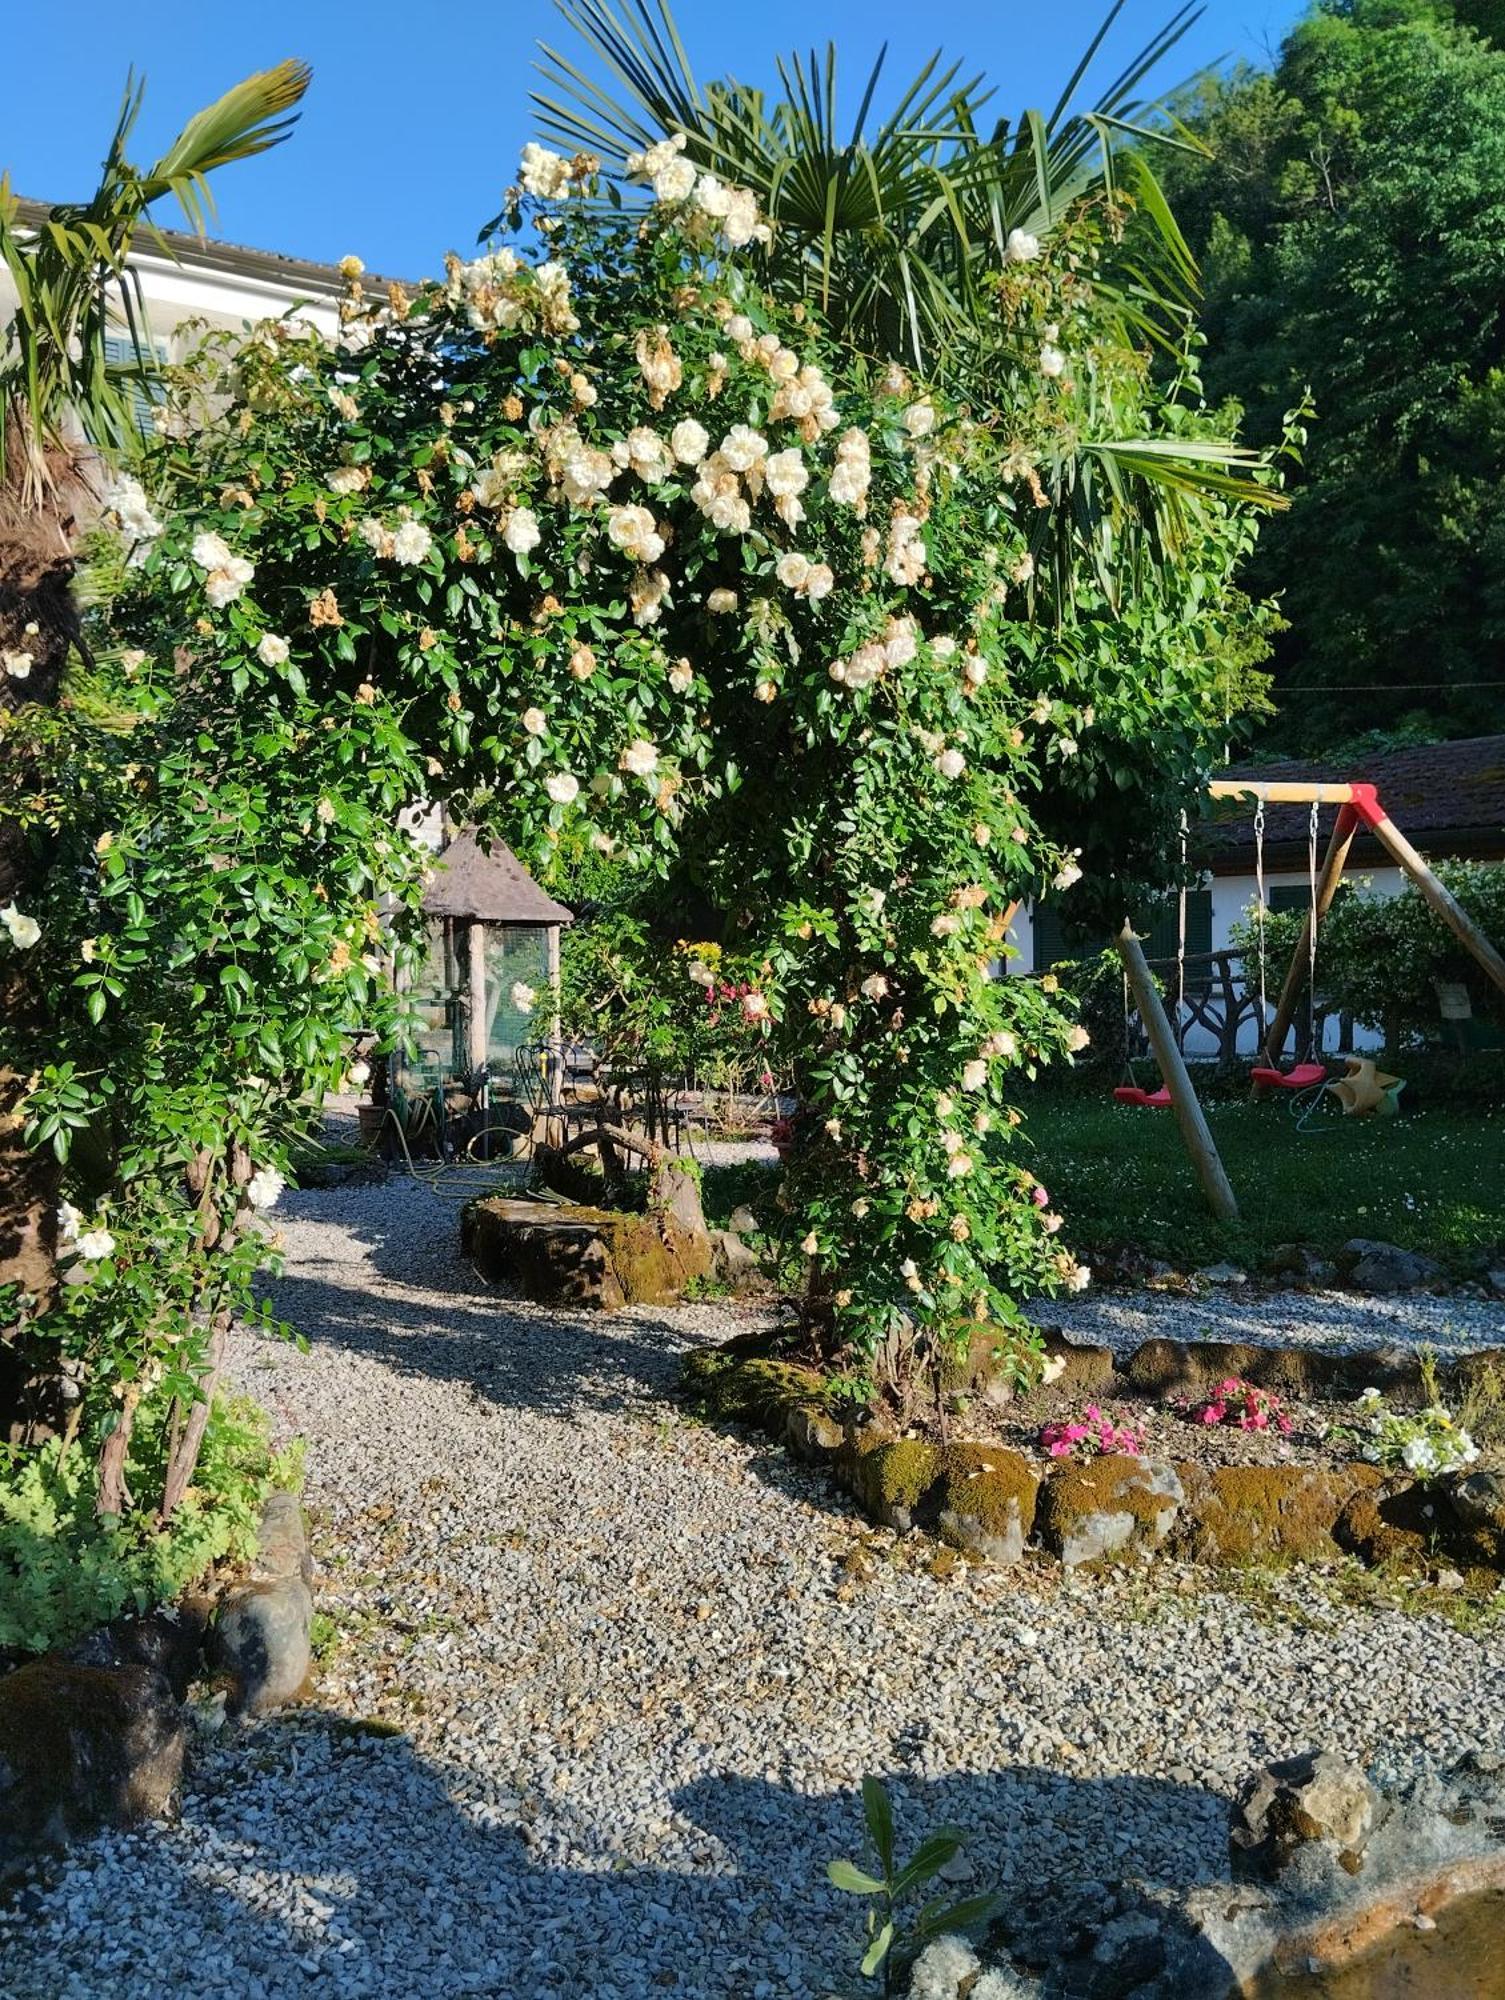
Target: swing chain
<point x="1311" y="937"/>
<point x="1259" y="916"/>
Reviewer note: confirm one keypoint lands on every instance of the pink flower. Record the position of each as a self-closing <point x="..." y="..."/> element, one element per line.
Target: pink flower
<point x="1039" y="1197"/>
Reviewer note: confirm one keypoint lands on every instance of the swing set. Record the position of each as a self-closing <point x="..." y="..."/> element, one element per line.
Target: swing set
<point x="1362" y="1090"/>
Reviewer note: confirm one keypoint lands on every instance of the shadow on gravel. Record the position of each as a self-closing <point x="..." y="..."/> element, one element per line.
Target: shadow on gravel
<point x="323" y="1859"/>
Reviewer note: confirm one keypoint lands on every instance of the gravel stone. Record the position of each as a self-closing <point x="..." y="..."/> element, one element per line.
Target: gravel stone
<point x="608" y="1679"/>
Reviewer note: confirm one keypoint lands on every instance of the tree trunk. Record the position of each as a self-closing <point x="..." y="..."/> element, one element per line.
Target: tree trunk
<point x="113" y="1495"/>
<point x="38" y="619"/>
<point x="184" y="1457"/>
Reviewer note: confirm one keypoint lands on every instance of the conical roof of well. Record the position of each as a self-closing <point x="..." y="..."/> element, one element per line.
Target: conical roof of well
<point x="490" y="883"/>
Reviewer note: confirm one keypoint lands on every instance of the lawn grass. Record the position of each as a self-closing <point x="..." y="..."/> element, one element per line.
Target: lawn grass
<point x="1433" y="1181"/>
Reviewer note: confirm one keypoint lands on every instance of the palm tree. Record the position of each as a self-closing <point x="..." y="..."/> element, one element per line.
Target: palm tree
<point x="890" y="229"/>
<point x="66" y="408"/>
<point x="894" y="231"/>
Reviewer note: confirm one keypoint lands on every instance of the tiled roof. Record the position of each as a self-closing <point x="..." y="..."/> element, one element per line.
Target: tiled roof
<point x="1443" y="796"/>
<point x="468" y="881"/>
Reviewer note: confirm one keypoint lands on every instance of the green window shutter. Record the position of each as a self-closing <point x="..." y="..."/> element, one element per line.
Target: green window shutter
<point x="1291" y="898"/>
<point x="120" y="351"/>
<point x="1050" y="946"/>
<point x="1160" y="924"/>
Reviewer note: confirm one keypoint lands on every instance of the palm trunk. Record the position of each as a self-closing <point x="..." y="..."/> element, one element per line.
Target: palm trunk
<point x="39" y="620"/>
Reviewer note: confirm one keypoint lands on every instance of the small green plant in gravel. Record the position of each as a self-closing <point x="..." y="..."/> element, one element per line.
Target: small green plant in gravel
<point x="899" y="1925"/>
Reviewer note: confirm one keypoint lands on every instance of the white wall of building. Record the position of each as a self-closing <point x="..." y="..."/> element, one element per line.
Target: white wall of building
<point x="1233" y="899"/>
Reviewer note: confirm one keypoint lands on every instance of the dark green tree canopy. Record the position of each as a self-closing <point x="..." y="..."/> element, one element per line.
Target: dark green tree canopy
<point x="1351" y="225"/>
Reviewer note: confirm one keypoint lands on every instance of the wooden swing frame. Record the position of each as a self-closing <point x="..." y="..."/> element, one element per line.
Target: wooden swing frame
<point x="1358" y="806"/>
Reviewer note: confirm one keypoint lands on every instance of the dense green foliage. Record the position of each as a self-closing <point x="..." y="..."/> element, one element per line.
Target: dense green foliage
<point x="612" y="551"/>
<point x="1351" y="227"/>
<point x="63" y="1570"/>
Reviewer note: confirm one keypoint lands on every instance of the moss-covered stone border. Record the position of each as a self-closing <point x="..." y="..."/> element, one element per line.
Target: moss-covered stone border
<point x="993" y="1502"/>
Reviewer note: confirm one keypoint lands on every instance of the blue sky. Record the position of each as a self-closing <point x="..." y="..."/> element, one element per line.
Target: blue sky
<point x="417" y="113"/>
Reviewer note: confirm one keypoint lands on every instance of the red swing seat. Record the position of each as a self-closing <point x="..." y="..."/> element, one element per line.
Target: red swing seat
<point x="1131" y="1093"/>
<point x="1301" y="1077"/>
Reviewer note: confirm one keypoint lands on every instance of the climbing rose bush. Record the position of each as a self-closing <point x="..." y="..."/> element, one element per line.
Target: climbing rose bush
<point x="599" y="544"/>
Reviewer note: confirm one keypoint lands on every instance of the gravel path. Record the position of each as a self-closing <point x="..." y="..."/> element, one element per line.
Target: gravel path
<point x="639" y="1668"/>
<point x="1121" y="1320"/>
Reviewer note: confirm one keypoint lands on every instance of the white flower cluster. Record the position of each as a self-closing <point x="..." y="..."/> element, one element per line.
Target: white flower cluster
<point x="852" y="474"/>
<point x="544" y="174"/>
<point x="125" y="508"/>
<point x="895" y="648"/>
<point x="408" y="543"/>
<point x="740" y="471"/>
<point x="907" y="554"/>
<point x="495" y="484"/>
<point x="634" y="531"/>
<point x="92" y="1245"/>
<point x="500" y="293"/>
<point x="22" y="930"/>
<point x="264" y="1189"/>
<point x="226" y="574"/>
<point x="805" y="578"/>
<point x="676" y="181"/>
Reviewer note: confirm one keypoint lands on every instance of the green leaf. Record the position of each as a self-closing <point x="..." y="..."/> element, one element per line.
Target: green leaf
<point x="847" y="1875"/>
<point x="877" y="1951"/>
<point x="880" y="1821"/>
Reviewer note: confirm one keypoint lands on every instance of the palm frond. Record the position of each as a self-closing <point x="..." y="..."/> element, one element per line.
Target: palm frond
<point x="70" y="271"/>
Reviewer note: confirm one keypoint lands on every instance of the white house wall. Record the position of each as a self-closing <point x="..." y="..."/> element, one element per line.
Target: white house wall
<point x="1233" y="898"/>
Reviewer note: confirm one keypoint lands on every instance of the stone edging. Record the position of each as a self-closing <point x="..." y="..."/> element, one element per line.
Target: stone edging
<point x="992" y="1501"/>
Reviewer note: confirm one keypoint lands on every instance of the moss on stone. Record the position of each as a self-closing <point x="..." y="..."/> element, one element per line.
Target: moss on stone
<point x="1397" y="1527"/>
<point x="1088" y="1511"/>
<point x="894" y="1479"/>
<point x="985" y="1481"/>
<point x="753" y="1388"/>
<point x="1258" y="1513"/>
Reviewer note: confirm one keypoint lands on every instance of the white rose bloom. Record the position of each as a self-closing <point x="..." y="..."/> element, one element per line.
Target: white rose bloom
<point x="1052" y="361"/>
<point x="563" y="787"/>
<point x="223" y="586"/>
<point x="68" y="1220"/>
<point x="951" y="763"/>
<point x="640" y="758"/>
<point x="585" y="474"/>
<point x="712" y="197"/>
<point x="210" y="551"/>
<point x="359" y="1073"/>
<point x="974" y="1074"/>
<point x="647" y="453"/>
<point x="958" y="1166"/>
<point x="18" y="665"/>
<point x="874" y="987"/>
<point x="919" y="419"/>
<point x="523" y="997"/>
<point x="1067" y="875"/>
<point x="739" y="328"/>
<point x="681" y="677"/>
<point x="522" y="531"/>
<point x="1078" y="1278"/>
<point x="1077" y="1037"/>
<point x="766" y="691"/>
<point x="819" y="582"/>
<point x="272" y="650"/>
<point x="721" y="601"/>
<point x="1021" y="247"/>
<point x="792" y="569"/>
<point x="975" y="672"/>
<point x="743" y="448"/>
<point x="634" y="531"/>
<point x="264" y="1189"/>
<point x="675" y="182"/>
<point x="24" y="931"/>
<point x="810" y="1244"/>
<point x="543" y="173"/>
<point x="786" y="473"/>
<point x="347" y="479"/>
<point x="535" y="722"/>
<point x="411" y="543"/>
<point x="95" y="1244"/>
<point x="689" y="441"/>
